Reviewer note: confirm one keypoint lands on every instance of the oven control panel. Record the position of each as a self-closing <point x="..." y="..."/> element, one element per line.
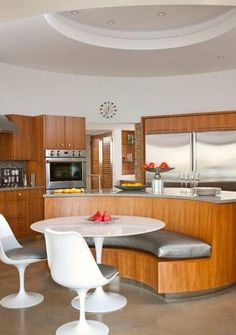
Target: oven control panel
<point x="65" y="153"/>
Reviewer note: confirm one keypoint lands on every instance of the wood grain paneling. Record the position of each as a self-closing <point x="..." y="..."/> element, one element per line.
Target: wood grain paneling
<point x="75" y="133"/>
<point x="18" y="146"/>
<point x="54" y="132"/>
<point x="213" y="223"/>
<point x="21" y="208"/>
<point x="168" y="124"/>
<point x="224" y="120"/>
<point x="64" y="132"/>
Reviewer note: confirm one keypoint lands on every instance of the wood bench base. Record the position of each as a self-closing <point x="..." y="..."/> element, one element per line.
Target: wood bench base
<point x="163" y="276"/>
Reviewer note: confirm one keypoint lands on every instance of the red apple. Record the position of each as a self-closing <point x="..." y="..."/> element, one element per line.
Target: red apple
<point x="106" y="217"/>
<point x="97" y="216"/>
<point x="164" y="165"/>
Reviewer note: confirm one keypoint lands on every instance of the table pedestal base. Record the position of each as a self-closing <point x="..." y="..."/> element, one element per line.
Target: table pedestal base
<point x="101" y="302"/>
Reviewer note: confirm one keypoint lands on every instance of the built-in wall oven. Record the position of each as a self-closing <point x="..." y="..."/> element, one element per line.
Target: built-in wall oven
<point x="65" y="169"/>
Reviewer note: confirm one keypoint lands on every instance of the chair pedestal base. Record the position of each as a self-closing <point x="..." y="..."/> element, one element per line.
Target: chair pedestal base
<point x="22" y="300"/>
<point x="101" y="302"/>
<point x="84" y="328"/>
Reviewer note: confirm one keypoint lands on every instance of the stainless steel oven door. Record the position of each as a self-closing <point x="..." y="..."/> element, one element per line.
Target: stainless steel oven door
<point x="65" y="173"/>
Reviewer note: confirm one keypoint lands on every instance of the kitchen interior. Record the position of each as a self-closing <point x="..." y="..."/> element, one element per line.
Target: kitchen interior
<point x="62" y="138"/>
<point x="65" y="158"/>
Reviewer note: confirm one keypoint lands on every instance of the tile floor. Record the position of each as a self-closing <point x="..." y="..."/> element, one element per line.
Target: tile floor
<point x="145" y="314"/>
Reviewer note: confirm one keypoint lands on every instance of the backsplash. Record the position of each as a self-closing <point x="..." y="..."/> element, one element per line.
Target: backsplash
<point x="13" y="164"/>
<point x="12" y="173"/>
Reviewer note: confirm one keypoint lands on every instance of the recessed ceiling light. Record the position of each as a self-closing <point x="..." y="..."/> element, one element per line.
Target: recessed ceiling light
<point x="162" y="14"/>
<point x="174" y="64"/>
<point x="220" y="57"/>
<point x="110" y="22"/>
<point x="74" y="12"/>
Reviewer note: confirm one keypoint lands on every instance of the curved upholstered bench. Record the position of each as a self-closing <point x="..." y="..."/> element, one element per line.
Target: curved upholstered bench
<point x="163" y="244"/>
<point x="163" y="260"/>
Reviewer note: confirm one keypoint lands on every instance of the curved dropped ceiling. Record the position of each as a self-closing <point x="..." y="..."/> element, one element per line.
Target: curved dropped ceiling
<point x="15" y="9"/>
<point x="143" y="40"/>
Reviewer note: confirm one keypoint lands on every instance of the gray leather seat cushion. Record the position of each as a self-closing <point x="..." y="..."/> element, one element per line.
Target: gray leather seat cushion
<point x="108" y="271"/>
<point x="162" y="243"/>
<point x="27" y="253"/>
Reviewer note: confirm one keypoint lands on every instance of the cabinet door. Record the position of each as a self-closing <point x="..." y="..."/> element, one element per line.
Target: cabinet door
<point x="13" y="208"/>
<point x="35" y="210"/>
<point x="168" y="124"/>
<point x="17" y="146"/>
<point x="216" y="121"/>
<point x="75" y="133"/>
<point x="22" y="146"/>
<point x="54" y="132"/>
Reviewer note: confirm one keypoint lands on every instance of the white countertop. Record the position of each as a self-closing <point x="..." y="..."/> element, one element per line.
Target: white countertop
<point x="171" y="193"/>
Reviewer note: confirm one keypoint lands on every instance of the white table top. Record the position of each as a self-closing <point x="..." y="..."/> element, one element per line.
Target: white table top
<point x="122" y="226"/>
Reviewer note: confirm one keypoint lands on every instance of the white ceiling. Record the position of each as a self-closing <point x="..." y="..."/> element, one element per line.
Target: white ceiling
<point x="31" y="42"/>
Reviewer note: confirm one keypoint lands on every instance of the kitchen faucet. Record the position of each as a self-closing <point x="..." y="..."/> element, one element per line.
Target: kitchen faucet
<point x="99" y="181"/>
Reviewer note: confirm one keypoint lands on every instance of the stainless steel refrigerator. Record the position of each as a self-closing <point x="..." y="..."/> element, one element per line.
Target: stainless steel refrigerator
<point x="174" y="149"/>
<point x="212" y="154"/>
<point x="215" y="155"/>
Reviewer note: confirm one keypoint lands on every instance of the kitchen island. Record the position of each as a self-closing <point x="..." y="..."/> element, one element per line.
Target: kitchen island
<point x="211" y="219"/>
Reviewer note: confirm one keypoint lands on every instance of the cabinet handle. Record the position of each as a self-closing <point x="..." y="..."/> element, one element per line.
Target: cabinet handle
<point x="19" y="194"/>
<point x="69" y="145"/>
<point x="62" y="145"/>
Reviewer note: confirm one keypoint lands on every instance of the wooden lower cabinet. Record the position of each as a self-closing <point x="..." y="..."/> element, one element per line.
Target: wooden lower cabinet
<point x="22" y="208"/>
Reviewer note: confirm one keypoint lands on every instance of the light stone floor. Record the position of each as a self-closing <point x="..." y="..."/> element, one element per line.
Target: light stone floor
<point x="145" y="314"/>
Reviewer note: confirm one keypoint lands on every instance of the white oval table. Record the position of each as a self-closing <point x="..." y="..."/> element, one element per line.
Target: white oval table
<point x="100" y="301"/>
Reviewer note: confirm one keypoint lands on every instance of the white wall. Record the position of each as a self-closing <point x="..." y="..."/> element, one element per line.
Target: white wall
<point x="32" y="92"/>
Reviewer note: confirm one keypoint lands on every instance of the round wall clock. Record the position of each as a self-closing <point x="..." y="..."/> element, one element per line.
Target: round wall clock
<point x="108" y="109"/>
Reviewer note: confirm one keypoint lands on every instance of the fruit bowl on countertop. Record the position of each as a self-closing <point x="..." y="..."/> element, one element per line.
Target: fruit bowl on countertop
<point x="159" y="169"/>
<point x="131" y="187"/>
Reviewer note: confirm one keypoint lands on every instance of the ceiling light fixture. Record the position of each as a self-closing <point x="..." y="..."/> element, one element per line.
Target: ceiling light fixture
<point x="220" y="57"/>
<point x="173" y="64"/>
<point x="162" y="14"/>
<point x="110" y="22"/>
<point x="74" y="12"/>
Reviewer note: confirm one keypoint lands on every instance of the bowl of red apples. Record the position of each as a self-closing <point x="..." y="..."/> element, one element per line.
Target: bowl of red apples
<point x="101" y="217"/>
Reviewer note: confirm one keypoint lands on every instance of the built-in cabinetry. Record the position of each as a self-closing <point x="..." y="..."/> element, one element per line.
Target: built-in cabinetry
<point x="18" y="146"/>
<point x="189" y="122"/>
<point x="64" y="132"/>
<point x="128" y="152"/>
<point x="21" y="208"/>
<point x="55" y="132"/>
<point x="168" y="124"/>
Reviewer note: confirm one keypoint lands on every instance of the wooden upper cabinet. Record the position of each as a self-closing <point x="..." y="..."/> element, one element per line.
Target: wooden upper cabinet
<point x="64" y="132"/>
<point x="214" y="121"/>
<point x="168" y="124"/>
<point x="75" y="132"/>
<point x="190" y="122"/>
<point x="54" y="131"/>
<point x="19" y="145"/>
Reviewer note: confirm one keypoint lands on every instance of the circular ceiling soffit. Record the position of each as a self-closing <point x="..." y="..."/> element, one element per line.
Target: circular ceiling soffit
<point x="143" y="40"/>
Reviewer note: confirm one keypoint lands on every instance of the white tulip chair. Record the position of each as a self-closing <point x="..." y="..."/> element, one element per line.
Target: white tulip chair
<point x="72" y="265"/>
<point x="13" y="253"/>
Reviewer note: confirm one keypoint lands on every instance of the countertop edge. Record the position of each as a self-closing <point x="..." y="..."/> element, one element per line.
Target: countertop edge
<point x="224" y="198"/>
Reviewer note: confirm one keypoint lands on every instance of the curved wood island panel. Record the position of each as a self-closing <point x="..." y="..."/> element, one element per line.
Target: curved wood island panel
<point x="211" y="222"/>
